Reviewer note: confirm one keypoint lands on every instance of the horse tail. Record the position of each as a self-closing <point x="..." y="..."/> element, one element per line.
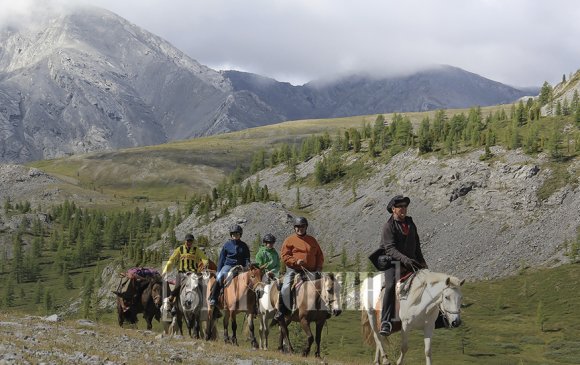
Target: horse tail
<point x="367" y="330"/>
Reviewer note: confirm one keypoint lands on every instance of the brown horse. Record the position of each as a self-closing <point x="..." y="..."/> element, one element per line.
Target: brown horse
<point x="241" y="296"/>
<point x="315" y="301"/>
<point x="142" y="296"/>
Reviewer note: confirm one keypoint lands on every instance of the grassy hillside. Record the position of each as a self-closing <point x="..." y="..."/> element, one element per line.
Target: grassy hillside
<point x="174" y="171"/>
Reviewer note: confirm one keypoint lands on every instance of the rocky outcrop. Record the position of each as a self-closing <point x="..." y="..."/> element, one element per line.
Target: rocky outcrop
<point x="476" y="219"/>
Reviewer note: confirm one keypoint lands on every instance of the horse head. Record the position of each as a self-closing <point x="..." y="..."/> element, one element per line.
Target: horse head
<point x="255" y="280"/>
<point x="451" y="298"/>
<point x="190" y="287"/>
<point x="156" y="293"/>
<point x="331" y="292"/>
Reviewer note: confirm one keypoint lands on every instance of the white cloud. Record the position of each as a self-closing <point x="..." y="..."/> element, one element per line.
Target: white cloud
<point x="517" y="42"/>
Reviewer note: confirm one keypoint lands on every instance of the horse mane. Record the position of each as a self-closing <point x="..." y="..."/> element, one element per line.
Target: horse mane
<point x="420" y="281"/>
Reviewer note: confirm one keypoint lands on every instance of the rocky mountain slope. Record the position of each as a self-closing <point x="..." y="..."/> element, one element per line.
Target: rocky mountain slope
<point x="476" y="219"/>
<point x="28" y="340"/>
<point x="563" y="93"/>
<point x="439" y="87"/>
<point x="89" y="80"/>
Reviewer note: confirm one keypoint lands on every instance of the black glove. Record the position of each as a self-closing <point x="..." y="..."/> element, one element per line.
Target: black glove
<point x="417" y="265"/>
<point x="383" y="262"/>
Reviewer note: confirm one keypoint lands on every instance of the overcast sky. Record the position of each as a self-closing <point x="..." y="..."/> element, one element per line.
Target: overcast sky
<point x="516" y="42"/>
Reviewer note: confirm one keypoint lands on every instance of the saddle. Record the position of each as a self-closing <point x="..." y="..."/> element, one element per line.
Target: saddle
<point x="300" y="279"/>
<point x="404" y="285"/>
<point x="234" y="271"/>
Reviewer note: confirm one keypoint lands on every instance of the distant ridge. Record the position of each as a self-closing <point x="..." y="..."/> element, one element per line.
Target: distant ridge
<point x="89" y="80"/>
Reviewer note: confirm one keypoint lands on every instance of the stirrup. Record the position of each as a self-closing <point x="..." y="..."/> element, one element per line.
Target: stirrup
<point x="386" y="329"/>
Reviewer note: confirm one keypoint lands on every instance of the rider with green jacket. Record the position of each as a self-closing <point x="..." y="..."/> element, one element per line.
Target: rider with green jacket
<point x="267" y="257"/>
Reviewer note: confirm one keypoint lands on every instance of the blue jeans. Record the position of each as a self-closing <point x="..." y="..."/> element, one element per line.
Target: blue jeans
<point x="223" y="272"/>
<point x="215" y="291"/>
<point x="286" y="287"/>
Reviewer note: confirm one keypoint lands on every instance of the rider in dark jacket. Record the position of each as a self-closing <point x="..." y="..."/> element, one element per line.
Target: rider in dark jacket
<point x="400" y="240"/>
<point x="234" y="252"/>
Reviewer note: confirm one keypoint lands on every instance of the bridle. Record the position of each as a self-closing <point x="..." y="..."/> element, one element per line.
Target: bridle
<point x="444" y="311"/>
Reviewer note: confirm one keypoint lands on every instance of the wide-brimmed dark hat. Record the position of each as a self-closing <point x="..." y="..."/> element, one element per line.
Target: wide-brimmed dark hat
<point x="189" y="237"/>
<point x="397" y="199"/>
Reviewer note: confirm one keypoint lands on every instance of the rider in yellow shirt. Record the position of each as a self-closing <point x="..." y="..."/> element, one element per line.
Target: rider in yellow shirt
<point x="189" y="258"/>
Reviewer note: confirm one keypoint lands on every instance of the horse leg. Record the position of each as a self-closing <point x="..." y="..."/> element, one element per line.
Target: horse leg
<point x="404" y="345"/>
<point x="309" y="337"/>
<point x="264" y="331"/>
<point x="120" y="317"/>
<point x="196" y="327"/>
<point x="319" y="327"/>
<point x="226" y="325"/>
<point x="178" y="317"/>
<point x="209" y="327"/>
<point x="428" y="333"/>
<point x="252" y="333"/>
<point x="380" y="352"/>
<point x="283" y="326"/>
<point x="148" y="319"/>
<point x="189" y="324"/>
<point x="234" y="329"/>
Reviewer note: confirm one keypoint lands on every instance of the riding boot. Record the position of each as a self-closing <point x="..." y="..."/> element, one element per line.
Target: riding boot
<point x="388" y="303"/>
<point x="282" y="309"/>
<point x="213" y="299"/>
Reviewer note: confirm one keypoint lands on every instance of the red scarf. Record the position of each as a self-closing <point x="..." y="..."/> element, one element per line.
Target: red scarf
<point x="405" y="228"/>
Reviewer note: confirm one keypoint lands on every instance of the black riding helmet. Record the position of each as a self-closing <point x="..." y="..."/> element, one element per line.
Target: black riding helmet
<point x="236" y="229"/>
<point x="269" y="238"/>
<point x="300" y="221"/>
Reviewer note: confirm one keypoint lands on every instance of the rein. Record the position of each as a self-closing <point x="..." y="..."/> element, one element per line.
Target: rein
<point x="320" y="294"/>
<point x="247" y="282"/>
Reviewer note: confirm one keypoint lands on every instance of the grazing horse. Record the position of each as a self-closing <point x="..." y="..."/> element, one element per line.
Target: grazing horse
<point x="241" y="296"/>
<point x="266" y="310"/>
<point x="430" y="294"/>
<point x="143" y="296"/>
<point x="315" y="301"/>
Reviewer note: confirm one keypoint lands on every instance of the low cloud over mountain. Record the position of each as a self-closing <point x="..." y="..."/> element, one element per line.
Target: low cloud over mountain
<point x="89" y="80"/>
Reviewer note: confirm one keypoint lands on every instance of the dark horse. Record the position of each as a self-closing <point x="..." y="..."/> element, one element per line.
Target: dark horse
<point x="142" y="295"/>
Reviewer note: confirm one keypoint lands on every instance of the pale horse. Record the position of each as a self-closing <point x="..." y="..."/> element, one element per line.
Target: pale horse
<point x="267" y="305"/>
<point x="430" y="293"/>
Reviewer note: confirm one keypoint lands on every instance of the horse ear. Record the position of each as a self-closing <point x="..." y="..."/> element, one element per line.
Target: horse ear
<point x="461" y="282"/>
<point x="448" y="281"/>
